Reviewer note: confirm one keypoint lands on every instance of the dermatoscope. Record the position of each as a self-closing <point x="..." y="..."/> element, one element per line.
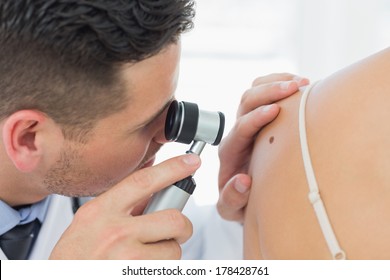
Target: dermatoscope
<point x="187" y="124"/>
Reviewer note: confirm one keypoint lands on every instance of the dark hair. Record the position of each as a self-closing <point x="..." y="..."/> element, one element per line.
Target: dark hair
<point x="62" y="57"/>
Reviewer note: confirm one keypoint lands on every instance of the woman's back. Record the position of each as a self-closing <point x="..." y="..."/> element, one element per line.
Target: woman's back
<point x="348" y="133"/>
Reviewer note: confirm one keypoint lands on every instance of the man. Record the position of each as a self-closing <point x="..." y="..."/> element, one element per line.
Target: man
<point x="84" y="90"/>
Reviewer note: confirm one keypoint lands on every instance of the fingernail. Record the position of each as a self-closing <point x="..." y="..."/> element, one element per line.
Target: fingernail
<point x="267" y="108"/>
<point x="285" y="85"/>
<point x="300" y="80"/>
<point x="240" y="187"/>
<point x="191" y="159"/>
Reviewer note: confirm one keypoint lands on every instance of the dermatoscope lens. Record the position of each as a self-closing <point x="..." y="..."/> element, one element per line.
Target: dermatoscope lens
<point x="186" y="123"/>
<point x="182" y="121"/>
<point x="172" y="123"/>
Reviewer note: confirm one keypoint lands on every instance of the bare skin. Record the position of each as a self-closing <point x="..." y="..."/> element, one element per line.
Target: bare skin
<point x="256" y="110"/>
<point x="348" y="136"/>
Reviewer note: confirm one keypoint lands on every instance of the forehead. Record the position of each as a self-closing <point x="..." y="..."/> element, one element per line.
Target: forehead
<point x="151" y="83"/>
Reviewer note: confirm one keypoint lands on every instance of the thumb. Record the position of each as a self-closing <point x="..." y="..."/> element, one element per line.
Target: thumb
<point x="233" y="197"/>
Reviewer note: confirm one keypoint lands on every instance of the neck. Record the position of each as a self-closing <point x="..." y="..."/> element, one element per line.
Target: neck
<point x="17" y="189"/>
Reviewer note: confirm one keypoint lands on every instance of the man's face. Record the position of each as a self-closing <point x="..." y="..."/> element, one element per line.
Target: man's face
<point x="125" y="141"/>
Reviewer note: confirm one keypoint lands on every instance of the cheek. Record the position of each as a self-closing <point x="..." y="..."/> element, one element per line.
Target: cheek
<point x="134" y="154"/>
<point x="118" y="160"/>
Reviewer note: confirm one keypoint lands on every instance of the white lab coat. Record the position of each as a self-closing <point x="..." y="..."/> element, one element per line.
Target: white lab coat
<point x="213" y="237"/>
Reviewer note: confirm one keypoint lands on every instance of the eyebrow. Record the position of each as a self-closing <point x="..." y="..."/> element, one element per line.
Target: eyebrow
<point x="152" y="118"/>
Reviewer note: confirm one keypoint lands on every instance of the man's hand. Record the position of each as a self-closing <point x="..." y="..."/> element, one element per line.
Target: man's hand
<point x="256" y="110"/>
<point x="104" y="228"/>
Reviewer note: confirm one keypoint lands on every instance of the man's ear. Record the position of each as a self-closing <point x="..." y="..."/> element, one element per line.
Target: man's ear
<point x="24" y="140"/>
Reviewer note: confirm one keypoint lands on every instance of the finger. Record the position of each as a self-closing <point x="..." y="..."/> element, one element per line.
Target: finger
<point x="251" y="123"/>
<point x="275" y="77"/>
<point x="246" y="128"/>
<point x="234" y="198"/>
<point x="142" y="183"/>
<point x="264" y="94"/>
<point x="162" y="250"/>
<point x="163" y="225"/>
<point x="233" y="150"/>
<point x="140" y="207"/>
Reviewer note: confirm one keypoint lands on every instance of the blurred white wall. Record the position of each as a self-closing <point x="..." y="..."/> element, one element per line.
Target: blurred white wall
<point x="336" y="33"/>
<point x="234" y="41"/>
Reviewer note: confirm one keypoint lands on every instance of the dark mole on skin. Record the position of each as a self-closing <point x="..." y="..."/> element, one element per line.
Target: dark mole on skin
<point x="271" y="139"/>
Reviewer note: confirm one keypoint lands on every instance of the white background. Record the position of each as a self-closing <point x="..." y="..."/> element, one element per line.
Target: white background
<point x="234" y="41"/>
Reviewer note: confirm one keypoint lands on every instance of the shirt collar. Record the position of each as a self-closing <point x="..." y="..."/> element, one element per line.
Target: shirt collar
<point x="10" y="217"/>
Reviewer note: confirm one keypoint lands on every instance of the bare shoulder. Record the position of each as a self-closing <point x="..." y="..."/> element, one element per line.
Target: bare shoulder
<point x="348" y="138"/>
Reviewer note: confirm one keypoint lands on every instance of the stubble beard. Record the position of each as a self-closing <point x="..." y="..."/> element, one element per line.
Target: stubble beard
<point x="69" y="177"/>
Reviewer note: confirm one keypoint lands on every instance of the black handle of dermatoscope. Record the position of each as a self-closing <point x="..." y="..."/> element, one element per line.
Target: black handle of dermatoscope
<point x="172" y="197"/>
<point x="176" y="195"/>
